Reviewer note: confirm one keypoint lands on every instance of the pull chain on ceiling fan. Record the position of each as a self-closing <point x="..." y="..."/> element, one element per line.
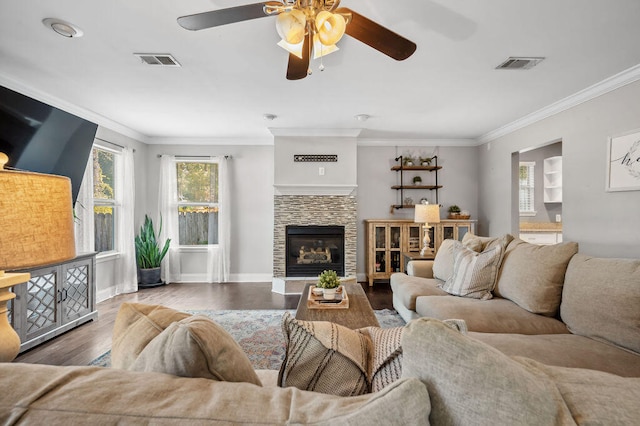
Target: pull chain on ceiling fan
<point x="307" y="26"/>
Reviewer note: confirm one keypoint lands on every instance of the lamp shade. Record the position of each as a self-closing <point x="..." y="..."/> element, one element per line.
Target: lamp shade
<point x="427" y="213"/>
<point x="36" y="219"/>
<point x="291" y="26"/>
<point x="330" y="27"/>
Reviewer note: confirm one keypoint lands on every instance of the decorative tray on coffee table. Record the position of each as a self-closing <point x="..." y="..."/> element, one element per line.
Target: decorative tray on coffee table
<point x="341" y="300"/>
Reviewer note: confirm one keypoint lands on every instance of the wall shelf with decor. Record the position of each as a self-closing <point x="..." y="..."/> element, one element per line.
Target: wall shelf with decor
<point x="553" y="180"/>
<point x="403" y="167"/>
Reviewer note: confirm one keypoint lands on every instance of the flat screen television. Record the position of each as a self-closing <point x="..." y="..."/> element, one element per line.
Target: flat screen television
<point x="41" y="138"/>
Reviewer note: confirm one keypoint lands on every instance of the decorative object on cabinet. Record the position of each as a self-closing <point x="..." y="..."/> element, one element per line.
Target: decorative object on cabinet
<point x="553" y="179"/>
<point x="388" y="240"/>
<point x="36" y="228"/>
<point x="623" y="173"/>
<point x="426" y="214"/>
<point x="403" y="167"/>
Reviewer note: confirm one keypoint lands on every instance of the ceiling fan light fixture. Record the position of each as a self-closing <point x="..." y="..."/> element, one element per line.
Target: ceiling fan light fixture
<point x="320" y="49"/>
<point x="330" y="27"/>
<point x="295" y="49"/>
<point x="291" y="26"/>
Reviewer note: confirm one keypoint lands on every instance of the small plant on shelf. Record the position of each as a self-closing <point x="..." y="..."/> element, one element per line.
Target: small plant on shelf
<point x="454" y="211"/>
<point x="417" y="180"/>
<point x="328" y="279"/>
<point x="407" y="161"/>
<point x="425" y="161"/>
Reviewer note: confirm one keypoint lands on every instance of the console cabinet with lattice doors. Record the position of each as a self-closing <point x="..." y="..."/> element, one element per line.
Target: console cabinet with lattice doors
<point x="57" y="298"/>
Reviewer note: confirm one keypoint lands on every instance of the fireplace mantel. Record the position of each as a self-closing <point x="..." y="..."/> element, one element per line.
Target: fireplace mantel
<point x="314" y="189"/>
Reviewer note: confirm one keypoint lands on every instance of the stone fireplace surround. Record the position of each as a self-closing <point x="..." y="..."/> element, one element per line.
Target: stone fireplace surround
<point x="340" y="210"/>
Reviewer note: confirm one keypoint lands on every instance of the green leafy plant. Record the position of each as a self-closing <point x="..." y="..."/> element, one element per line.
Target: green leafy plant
<point x="328" y="279"/>
<point x="417" y="180"/>
<point x="425" y="161"/>
<point x="407" y="161"/>
<point x="148" y="253"/>
<point x="454" y="209"/>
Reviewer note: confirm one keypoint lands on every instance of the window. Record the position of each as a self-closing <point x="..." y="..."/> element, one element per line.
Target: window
<point x="104" y="196"/>
<point x="197" y="202"/>
<point x="527" y="187"/>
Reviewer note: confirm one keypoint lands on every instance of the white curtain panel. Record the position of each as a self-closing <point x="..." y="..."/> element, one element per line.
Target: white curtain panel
<point x="127" y="279"/>
<point x="218" y="255"/>
<point x="84" y="228"/>
<point x="168" y="207"/>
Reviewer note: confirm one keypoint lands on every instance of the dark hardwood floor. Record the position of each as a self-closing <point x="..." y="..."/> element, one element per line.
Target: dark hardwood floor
<point x="83" y="344"/>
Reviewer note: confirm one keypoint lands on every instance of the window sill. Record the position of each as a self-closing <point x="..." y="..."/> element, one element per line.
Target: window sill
<point x="195" y="249"/>
<point x="107" y="256"/>
<point x="528" y="214"/>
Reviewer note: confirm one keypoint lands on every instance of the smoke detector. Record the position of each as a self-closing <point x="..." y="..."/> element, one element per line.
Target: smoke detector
<point x="162" y="59"/>
<point x="520" y="63"/>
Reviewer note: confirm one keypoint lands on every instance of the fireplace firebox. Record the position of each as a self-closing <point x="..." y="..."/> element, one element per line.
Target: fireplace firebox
<point x="312" y="249"/>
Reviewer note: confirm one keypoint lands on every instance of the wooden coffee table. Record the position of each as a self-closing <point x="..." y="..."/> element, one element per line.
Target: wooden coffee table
<point x="359" y="314"/>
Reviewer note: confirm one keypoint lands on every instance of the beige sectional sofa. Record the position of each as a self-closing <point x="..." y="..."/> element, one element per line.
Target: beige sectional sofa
<point x="549" y="303"/>
<point x="173" y="368"/>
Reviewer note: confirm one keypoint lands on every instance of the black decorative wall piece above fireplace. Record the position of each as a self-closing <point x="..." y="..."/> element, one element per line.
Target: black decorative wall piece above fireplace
<point x="312" y="249"/>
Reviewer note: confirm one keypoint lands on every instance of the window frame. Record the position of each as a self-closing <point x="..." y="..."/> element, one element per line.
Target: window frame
<point x="114" y="203"/>
<point x="196" y="247"/>
<point x="529" y="187"/>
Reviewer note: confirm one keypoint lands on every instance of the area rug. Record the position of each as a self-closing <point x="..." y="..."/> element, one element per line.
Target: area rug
<point x="259" y="333"/>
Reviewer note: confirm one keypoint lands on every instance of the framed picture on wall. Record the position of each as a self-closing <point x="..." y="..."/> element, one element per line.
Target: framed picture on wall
<point x="623" y="156"/>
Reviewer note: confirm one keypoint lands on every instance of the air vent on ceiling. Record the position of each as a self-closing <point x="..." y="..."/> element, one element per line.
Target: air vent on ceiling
<point x="163" y="59"/>
<point x="519" y="63"/>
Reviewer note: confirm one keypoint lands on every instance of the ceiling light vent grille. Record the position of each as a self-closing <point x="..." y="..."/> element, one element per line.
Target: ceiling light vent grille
<point x="519" y="63"/>
<point x="163" y="59"/>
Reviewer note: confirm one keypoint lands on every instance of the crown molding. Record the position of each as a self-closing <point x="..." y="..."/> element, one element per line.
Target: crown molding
<point x="607" y="85"/>
<point x="235" y="141"/>
<point x="417" y="142"/>
<point x="72" y="109"/>
<point x="300" y="132"/>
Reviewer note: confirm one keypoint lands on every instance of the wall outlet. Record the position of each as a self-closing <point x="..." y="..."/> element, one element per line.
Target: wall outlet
<point x="558" y="218"/>
<point x="321" y="171"/>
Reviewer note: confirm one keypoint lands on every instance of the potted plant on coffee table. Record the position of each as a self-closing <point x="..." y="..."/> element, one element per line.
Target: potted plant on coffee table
<point x="328" y="281"/>
<point x="149" y="255"/>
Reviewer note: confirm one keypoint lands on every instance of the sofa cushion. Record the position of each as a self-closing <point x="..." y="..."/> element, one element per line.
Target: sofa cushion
<point x="565" y="350"/>
<point x="443" y="262"/>
<point x="474" y="274"/>
<point x="135" y="326"/>
<point x="93" y="395"/>
<point x="489" y="316"/>
<point x="472" y="383"/>
<point x="407" y="288"/>
<point x="601" y="300"/>
<point x="324" y="357"/>
<point x="480" y="244"/>
<point x="196" y="347"/>
<point x="532" y="275"/>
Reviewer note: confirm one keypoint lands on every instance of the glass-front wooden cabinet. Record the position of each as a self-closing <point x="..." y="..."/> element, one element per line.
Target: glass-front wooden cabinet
<point x="387" y="240"/>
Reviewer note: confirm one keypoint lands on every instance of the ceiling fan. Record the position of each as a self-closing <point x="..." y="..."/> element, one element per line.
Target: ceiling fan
<point x="306" y="26"/>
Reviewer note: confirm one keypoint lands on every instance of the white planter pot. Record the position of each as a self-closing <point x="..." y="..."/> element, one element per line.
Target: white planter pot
<point x="329" y="293"/>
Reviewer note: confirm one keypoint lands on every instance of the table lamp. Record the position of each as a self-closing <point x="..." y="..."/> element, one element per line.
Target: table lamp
<point x="36" y="228"/>
<point x="426" y="213"/>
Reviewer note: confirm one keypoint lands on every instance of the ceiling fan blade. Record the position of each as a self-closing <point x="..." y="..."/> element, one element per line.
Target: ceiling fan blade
<point x="299" y="68"/>
<point x="215" y="18"/>
<point x="377" y="36"/>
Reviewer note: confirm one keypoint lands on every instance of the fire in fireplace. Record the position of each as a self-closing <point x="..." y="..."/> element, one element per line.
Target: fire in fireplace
<point x="312" y="249"/>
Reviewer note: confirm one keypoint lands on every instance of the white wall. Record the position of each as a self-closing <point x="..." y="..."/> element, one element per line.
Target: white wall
<point x="251" y="170"/>
<point x="603" y="223"/>
<point x="458" y="176"/>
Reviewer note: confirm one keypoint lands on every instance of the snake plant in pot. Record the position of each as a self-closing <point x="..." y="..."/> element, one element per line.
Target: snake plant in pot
<point x="149" y="255"/>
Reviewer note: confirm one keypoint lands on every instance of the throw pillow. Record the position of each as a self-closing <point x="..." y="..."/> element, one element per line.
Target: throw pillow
<point x="443" y="262"/>
<point x="385" y="363"/>
<point x="324" y="357"/>
<point x="474" y="274"/>
<point x="197" y="347"/>
<point x="470" y="382"/>
<point x="135" y="326"/>
<point x="532" y="275"/>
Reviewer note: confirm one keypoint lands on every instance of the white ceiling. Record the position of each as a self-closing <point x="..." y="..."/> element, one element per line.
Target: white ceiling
<point x="232" y="75"/>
